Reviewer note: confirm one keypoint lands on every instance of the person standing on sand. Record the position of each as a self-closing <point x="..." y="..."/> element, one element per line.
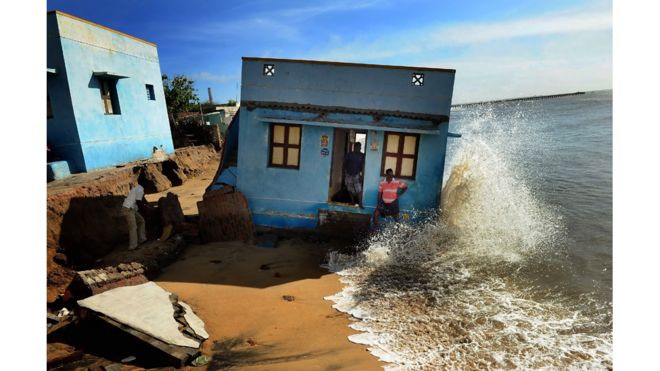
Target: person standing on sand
<point x="388" y="196"/>
<point x="136" y="230"/>
<point x="353" y="168"/>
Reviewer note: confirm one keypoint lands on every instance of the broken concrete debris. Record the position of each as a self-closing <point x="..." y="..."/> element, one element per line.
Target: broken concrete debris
<point x="147" y="308"/>
<point x="153" y="316"/>
<point x="194" y="322"/>
<point x="63" y="313"/>
<point x="52" y="318"/>
<point x="58" y="324"/>
<point x="200" y="361"/>
<point x="113" y="367"/>
<point x="128" y="359"/>
<point x="59" y="353"/>
<point x="96" y="281"/>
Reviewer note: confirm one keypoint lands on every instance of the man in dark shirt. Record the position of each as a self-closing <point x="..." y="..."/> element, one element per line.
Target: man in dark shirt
<point x="353" y="167"/>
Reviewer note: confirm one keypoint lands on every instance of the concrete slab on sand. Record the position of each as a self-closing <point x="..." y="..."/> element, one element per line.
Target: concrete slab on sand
<point x="147" y="308"/>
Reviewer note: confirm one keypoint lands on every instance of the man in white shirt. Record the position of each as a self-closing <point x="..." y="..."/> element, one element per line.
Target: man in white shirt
<point x="136" y="231"/>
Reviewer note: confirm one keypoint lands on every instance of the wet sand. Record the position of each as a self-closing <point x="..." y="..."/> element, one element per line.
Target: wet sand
<point x="251" y="326"/>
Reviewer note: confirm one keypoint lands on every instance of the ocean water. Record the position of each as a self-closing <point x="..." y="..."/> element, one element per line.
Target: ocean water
<point x="514" y="270"/>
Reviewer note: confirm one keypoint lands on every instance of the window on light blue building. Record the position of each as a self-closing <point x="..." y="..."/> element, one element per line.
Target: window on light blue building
<point x="109" y="96"/>
<point x="285" y="146"/>
<point x="400" y="154"/>
<point x="150" y="92"/>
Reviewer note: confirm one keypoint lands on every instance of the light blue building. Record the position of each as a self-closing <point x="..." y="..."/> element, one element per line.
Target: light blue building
<point x="298" y="119"/>
<point x="106" y="104"/>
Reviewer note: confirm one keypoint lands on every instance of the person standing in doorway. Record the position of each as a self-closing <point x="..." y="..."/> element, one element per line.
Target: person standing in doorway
<point x="136" y="229"/>
<point x="389" y="191"/>
<point x="353" y="170"/>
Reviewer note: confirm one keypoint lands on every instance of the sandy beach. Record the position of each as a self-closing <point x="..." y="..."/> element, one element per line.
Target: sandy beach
<point x="238" y="290"/>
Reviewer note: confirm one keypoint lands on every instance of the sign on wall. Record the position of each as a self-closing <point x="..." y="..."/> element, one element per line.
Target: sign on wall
<point x="324" y="145"/>
<point x="374" y="141"/>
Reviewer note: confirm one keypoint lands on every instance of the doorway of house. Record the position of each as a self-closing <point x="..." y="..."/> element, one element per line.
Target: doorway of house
<point x="343" y="142"/>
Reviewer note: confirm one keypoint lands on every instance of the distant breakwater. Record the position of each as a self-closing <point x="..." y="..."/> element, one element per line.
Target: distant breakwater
<point x="537" y="97"/>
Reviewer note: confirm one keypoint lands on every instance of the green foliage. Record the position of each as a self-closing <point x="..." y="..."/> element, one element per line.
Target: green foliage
<point x="231" y="102"/>
<point x="180" y="94"/>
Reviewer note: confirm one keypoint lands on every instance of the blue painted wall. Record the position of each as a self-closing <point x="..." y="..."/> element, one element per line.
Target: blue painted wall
<point x="61" y="129"/>
<point x="340" y="85"/>
<point x="278" y="195"/>
<point x="107" y="140"/>
<point x="293" y="197"/>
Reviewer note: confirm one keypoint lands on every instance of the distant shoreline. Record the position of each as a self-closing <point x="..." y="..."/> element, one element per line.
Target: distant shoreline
<point x="536" y="97"/>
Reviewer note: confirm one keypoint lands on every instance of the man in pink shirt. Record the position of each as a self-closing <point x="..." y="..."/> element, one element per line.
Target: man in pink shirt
<point x="388" y="196"/>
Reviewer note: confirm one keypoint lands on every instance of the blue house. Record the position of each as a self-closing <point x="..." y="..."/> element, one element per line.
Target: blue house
<point x="299" y="118"/>
<point x="106" y="104"/>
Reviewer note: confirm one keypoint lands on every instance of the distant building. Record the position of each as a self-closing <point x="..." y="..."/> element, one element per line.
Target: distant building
<point x="298" y="119"/>
<point x="226" y="112"/>
<point x="106" y="104"/>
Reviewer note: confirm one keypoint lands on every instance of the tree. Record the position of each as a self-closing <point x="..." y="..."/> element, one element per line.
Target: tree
<point x="180" y="95"/>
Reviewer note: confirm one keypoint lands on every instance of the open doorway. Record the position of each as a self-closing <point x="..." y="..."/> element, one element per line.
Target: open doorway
<point x="343" y="143"/>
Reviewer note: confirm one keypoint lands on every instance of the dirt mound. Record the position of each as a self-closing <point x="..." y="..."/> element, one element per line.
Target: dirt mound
<point x="224" y="215"/>
<point x="84" y="220"/>
<point x="152" y="178"/>
<point x="193" y="160"/>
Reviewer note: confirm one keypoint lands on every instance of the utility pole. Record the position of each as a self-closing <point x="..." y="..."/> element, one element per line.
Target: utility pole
<point x="201" y="113"/>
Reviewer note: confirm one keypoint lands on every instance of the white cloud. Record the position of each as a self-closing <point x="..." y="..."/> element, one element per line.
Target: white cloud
<point x="546" y="54"/>
<point x="328" y="7"/>
<point x="232" y="31"/>
<point x="277" y="24"/>
<point x="465" y="34"/>
<point x="566" y="63"/>
<point x="471" y="33"/>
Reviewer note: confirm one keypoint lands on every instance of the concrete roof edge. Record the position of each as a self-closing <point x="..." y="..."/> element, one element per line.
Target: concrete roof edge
<point x="350" y="64"/>
<point x="59" y="12"/>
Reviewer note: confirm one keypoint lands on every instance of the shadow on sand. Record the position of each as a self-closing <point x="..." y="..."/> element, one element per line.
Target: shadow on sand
<point x="242" y="351"/>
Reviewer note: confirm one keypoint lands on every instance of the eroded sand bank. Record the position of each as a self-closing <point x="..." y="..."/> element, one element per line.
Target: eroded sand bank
<point x="238" y="290"/>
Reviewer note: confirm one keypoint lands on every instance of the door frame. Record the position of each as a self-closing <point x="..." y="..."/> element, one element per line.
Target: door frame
<point x="332" y="160"/>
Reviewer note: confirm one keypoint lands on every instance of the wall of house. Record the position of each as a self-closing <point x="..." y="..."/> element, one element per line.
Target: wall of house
<point x="292" y="198"/>
<point x="107" y="140"/>
<point x="377" y="88"/>
<point x="424" y="191"/>
<point x="61" y="128"/>
<point x="282" y="197"/>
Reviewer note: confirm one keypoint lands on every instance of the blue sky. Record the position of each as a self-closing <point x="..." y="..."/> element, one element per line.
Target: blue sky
<point x="499" y="48"/>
